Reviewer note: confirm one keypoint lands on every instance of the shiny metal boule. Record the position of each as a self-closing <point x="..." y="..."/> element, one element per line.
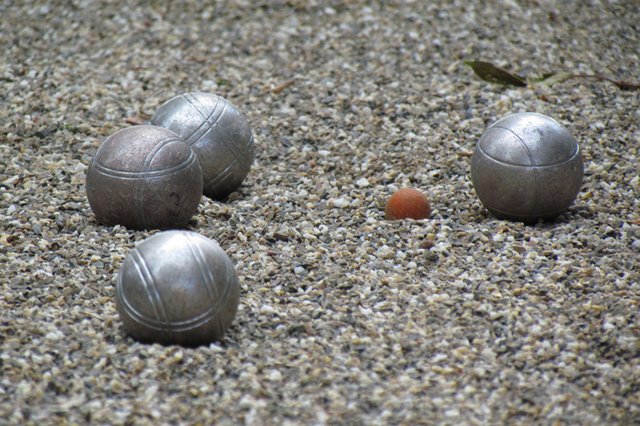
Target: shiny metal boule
<point x="144" y="177"/>
<point x="177" y="287"/>
<point x="527" y="166"/>
<point x="218" y="133"/>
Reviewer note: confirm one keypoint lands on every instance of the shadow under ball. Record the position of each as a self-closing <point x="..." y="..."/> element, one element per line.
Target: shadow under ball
<point x="525" y="167"/>
<point x="177" y="287"/>
<point x="218" y="133"/>
<point x="144" y="177"/>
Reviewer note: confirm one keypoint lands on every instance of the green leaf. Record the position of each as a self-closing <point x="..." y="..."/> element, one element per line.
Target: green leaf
<point x="489" y="72"/>
<point x="555" y="78"/>
<point x="542" y="78"/>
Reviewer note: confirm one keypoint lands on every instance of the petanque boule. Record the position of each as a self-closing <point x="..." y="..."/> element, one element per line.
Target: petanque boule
<point x="177" y="287"/>
<point x="527" y="167"/>
<point x="218" y="133"/>
<point x="144" y="177"/>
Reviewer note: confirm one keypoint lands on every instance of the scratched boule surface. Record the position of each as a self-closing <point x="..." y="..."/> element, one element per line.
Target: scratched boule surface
<point x="344" y="318"/>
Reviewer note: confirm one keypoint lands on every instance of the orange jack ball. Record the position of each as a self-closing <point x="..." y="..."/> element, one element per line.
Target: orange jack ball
<point x="408" y="203"/>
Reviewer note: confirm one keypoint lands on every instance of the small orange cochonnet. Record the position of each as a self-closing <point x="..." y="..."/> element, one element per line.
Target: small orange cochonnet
<point x="408" y="203"/>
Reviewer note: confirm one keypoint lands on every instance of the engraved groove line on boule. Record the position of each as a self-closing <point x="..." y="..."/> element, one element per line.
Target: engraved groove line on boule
<point x="541" y="167"/>
<point x="531" y="159"/>
<point x="213" y="122"/>
<point x="223" y="141"/>
<point x="190" y="100"/>
<point x="223" y="174"/>
<point x="172" y="326"/>
<point x="207" y="278"/>
<point x="150" y="289"/>
<point x="219" y="101"/>
<point x="145" y="169"/>
<point x="194" y="100"/>
<point x="190" y="139"/>
<point x="197" y="105"/>
<point x="534" y="167"/>
<point x="109" y="172"/>
<point x="201" y="110"/>
<point x="218" y="117"/>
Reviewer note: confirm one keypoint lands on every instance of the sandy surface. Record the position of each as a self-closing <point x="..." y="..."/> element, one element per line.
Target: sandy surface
<point x="344" y="318"/>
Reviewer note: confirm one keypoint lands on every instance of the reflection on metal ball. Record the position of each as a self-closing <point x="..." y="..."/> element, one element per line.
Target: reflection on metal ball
<point x="218" y="133"/>
<point x="526" y="167"/>
<point x="177" y="287"/>
<point x="144" y="177"/>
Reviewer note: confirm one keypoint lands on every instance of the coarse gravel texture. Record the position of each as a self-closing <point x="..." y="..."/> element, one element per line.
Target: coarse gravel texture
<point x="344" y="318"/>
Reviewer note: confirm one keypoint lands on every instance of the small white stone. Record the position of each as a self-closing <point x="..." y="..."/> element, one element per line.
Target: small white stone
<point x="266" y="309"/>
<point x="498" y="238"/>
<point x="362" y="182"/>
<point x="275" y="376"/>
<point x="340" y="203"/>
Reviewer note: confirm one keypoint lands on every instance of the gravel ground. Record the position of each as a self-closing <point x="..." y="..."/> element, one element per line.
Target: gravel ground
<point x="344" y="318"/>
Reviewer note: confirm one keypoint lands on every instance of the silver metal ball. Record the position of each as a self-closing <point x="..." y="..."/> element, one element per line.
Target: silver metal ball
<point x="144" y="177"/>
<point x="527" y="166"/>
<point x="177" y="287"/>
<point x="218" y="133"/>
